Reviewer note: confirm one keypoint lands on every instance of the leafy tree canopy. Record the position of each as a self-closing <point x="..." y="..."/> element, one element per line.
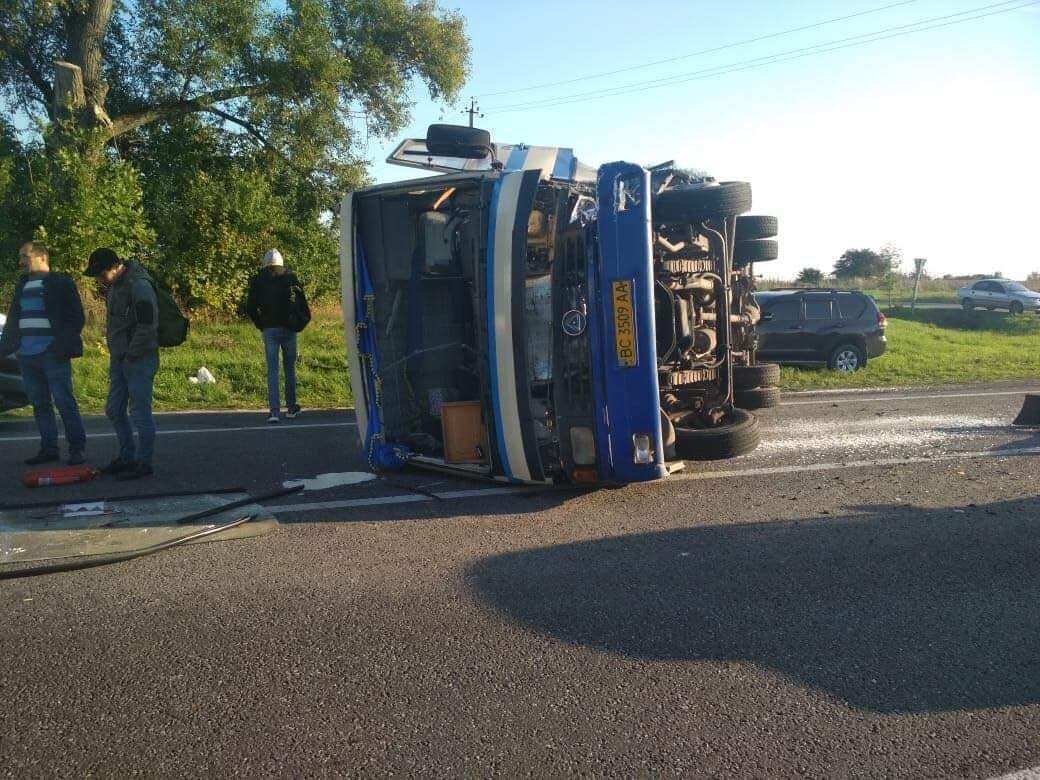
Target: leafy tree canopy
<point x="293" y="76"/>
<point x="861" y="264"/>
<point x="200" y="130"/>
<point x="810" y="277"/>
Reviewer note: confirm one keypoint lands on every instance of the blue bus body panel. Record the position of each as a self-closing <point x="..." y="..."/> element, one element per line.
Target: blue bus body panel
<point x="626" y="384"/>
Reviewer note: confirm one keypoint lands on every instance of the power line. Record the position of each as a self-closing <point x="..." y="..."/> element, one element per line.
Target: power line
<point x="771" y="58"/>
<point x="922" y="25"/>
<point x="697" y="53"/>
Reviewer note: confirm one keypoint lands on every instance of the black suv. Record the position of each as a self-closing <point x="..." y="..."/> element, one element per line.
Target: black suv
<point x="840" y="328"/>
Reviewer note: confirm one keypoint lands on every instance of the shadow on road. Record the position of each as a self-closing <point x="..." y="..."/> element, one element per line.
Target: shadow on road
<point x="902" y="609"/>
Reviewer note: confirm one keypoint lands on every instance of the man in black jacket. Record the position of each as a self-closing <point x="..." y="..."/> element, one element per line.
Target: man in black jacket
<point x="274" y="304"/>
<point x="132" y="335"/>
<point x="44" y="327"/>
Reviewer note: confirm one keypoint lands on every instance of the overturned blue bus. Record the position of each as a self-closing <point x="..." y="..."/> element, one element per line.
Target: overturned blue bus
<point x="527" y="318"/>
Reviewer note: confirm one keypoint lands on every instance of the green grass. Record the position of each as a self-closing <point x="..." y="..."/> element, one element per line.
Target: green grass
<point x="940" y="346"/>
<point x="234" y="353"/>
<point x="931" y="290"/>
<point x="933" y="347"/>
<point x="905" y="296"/>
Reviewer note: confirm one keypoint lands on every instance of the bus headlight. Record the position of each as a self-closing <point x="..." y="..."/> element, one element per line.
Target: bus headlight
<point x="642" y="446"/>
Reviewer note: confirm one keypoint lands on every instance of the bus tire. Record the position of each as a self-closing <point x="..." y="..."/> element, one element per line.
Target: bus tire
<point x="738" y="436"/>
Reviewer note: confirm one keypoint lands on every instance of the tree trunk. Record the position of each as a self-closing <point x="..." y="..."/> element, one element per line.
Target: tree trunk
<point x="79" y="86"/>
<point x="77" y="121"/>
<point x="69" y="96"/>
<point x="86" y="34"/>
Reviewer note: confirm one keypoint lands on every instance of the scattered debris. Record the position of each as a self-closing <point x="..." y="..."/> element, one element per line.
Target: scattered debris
<point x="203" y="377"/>
<point x="329" y="481"/>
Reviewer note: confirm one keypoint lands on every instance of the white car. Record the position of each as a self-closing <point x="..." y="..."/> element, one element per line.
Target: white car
<point x="999" y="294"/>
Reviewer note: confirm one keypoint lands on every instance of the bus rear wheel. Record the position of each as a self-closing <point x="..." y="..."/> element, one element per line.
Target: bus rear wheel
<point x="738" y="435"/>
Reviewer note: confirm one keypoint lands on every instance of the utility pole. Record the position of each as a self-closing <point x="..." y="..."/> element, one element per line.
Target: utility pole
<point x="918" y="270"/>
<point x="473" y="110"/>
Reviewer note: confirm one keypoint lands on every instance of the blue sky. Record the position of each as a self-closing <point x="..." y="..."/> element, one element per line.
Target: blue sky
<point x="927" y="141"/>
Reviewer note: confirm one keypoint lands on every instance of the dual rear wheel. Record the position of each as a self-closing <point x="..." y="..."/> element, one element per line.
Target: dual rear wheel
<point x="754" y="387"/>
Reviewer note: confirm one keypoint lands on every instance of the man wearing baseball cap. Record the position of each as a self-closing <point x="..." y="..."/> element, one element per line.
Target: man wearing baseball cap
<point x="131" y="330"/>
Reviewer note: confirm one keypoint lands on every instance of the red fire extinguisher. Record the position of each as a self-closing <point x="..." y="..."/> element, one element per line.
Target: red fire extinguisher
<point x="59" y="475"/>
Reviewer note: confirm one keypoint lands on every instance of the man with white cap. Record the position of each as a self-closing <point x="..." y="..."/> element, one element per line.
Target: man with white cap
<point x="277" y="306"/>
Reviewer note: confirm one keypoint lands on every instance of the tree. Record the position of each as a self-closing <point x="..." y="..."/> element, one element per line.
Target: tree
<point x="860" y="264"/>
<point x="218" y="206"/>
<point x="810" y="277"/>
<point x="292" y="76"/>
<point x="199" y="131"/>
<point x="892" y="257"/>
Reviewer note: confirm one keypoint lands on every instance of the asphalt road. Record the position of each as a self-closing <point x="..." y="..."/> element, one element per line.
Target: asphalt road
<point x="860" y="596"/>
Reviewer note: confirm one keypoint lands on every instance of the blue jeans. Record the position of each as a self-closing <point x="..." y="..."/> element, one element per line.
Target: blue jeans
<point x="130" y="382"/>
<point x="280" y="340"/>
<point x="48" y="378"/>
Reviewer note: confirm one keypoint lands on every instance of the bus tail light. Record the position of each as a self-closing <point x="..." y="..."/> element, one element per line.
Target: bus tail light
<point x="584" y="475"/>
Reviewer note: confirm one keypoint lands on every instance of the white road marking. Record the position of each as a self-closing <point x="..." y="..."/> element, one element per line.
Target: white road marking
<point x="352" y="503"/>
<point x="839" y="390"/>
<point x="878" y="399"/>
<point x="264" y="411"/>
<point x="455" y="495"/>
<point x="177" y="431"/>
<point x="859" y="464"/>
<point x="332" y="480"/>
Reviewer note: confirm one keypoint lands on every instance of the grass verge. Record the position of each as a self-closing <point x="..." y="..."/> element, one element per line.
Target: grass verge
<point x="234" y="352"/>
<point x="933" y="347"/>
<point x="937" y="347"/>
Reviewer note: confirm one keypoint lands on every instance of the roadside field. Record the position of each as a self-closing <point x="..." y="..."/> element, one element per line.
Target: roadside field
<point x="930" y="291"/>
<point x="932" y="347"/>
<point x="234" y="352"/>
<point x="938" y="347"/>
<point x="904" y="297"/>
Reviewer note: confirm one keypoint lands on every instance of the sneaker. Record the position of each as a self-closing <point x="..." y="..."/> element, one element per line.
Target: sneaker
<point x="136" y="472"/>
<point x="41" y="457"/>
<point x="118" y="466"/>
<point x="76" y="459"/>
<point x="293" y="411"/>
<point x="274" y="418"/>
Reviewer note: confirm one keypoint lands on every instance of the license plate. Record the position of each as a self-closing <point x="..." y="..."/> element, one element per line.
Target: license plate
<point x="624" y="324"/>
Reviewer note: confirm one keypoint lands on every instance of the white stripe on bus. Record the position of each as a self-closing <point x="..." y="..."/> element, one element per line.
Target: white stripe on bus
<point x="505" y="364"/>
<point x="346" y="265"/>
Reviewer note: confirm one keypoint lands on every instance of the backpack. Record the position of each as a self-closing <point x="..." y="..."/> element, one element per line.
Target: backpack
<point x="172" y="330"/>
<point x="172" y="326"/>
<point x="299" y="313"/>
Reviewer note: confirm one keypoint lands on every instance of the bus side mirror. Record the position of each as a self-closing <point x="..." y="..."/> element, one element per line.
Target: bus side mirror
<point x="468" y="143"/>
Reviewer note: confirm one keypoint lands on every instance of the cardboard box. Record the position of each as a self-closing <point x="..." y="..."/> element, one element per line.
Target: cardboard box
<point x="465" y="439"/>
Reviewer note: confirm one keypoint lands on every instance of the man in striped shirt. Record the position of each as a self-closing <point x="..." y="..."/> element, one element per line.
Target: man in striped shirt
<point x="43" y="327"/>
